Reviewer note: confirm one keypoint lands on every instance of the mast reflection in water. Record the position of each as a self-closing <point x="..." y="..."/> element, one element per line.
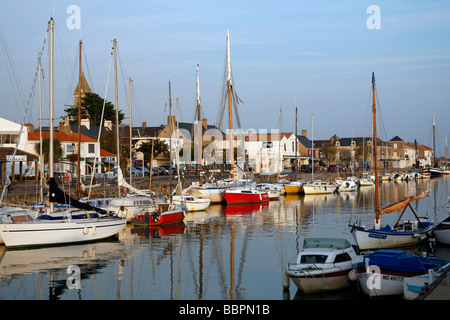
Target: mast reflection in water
<point x="223" y="253"/>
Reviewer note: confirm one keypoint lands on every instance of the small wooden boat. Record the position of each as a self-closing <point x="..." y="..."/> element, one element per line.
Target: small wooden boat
<point x="165" y="214"/>
<point x="382" y="272"/>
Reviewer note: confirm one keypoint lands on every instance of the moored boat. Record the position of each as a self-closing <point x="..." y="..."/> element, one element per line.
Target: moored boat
<point x="405" y="234"/>
<point x="319" y="187"/>
<point x="233" y="196"/>
<point x="322" y="264"/>
<point x="165" y="214"/>
<point x="382" y="272"/>
<point x="192" y="203"/>
<point x="442" y="232"/>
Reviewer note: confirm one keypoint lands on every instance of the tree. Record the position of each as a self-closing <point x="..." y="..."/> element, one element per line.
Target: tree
<point x="329" y="151"/>
<point x="57" y="149"/>
<point x="160" y="148"/>
<point x="92" y="107"/>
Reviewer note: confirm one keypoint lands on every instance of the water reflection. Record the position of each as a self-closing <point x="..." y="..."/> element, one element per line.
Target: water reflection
<point x="224" y="253"/>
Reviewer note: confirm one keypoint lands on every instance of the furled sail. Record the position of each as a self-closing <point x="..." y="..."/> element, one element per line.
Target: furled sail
<point x="400" y="204"/>
<point x="59" y="196"/>
<point x="122" y="183"/>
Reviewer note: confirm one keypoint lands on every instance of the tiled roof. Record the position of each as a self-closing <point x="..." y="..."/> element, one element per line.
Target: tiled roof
<point x="61" y="136"/>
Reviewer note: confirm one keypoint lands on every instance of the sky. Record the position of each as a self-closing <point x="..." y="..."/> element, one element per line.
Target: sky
<point x="316" y="56"/>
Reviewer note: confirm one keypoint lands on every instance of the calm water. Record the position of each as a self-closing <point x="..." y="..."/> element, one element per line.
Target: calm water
<point x="224" y="253"/>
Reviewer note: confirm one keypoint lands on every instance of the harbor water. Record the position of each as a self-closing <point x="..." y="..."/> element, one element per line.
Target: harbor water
<point x="227" y="253"/>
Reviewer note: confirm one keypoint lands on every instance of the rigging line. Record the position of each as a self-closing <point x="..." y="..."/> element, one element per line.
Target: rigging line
<point x="65" y="62"/>
<point x="101" y="119"/>
<point x="8" y="171"/>
<point x="91" y="81"/>
<point x="11" y="69"/>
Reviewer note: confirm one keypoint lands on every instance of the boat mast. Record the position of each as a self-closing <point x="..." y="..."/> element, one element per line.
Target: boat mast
<point x="375" y="159"/>
<point x="131" y="129"/>
<point x="312" y="146"/>
<point x="199" y="130"/>
<point x="79" y="127"/>
<point x="41" y="159"/>
<point x="434" y="141"/>
<point x="170" y="143"/>
<point x="230" y="113"/>
<point x="295" y="162"/>
<point x="50" y="158"/>
<point x="117" y="111"/>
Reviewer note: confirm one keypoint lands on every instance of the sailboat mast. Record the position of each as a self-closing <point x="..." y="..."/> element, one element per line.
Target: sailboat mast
<point x="41" y="159"/>
<point x="375" y="158"/>
<point x="170" y="142"/>
<point x="296" y="160"/>
<point x="131" y="129"/>
<point x="50" y="157"/>
<point x="230" y="107"/>
<point x="312" y="146"/>
<point x="434" y="141"/>
<point x="79" y="128"/>
<point x="117" y="111"/>
<point x="199" y="130"/>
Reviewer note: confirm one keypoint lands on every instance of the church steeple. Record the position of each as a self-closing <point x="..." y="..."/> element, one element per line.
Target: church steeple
<point x="84" y="88"/>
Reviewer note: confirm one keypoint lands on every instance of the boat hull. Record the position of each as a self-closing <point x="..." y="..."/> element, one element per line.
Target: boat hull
<point x="329" y="189"/>
<point x="238" y="198"/>
<point x="292" y="189"/>
<point x="381" y="239"/>
<point x="317" y="281"/>
<point x="213" y="194"/>
<point x="59" y="232"/>
<point x="442" y="232"/>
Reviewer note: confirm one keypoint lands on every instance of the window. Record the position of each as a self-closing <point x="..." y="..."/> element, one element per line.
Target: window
<point x="91" y="148"/>
<point x="342" y="257"/>
<point x="313" y="258"/>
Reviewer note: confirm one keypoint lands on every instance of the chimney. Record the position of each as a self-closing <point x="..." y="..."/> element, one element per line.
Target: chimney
<point x="144" y="124"/>
<point x="30" y="127"/>
<point x="86" y="123"/>
<point x="205" y="123"/>
<point x="65" y="126"/>
<point x="304" y="133"/>
<point x="108" y="124"/>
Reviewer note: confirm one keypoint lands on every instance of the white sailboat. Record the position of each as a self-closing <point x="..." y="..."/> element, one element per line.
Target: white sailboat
<point x="401" y="234"/>
<point x="87" y="224"/>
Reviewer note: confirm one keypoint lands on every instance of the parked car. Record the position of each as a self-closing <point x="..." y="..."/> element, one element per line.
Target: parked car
<point x="335" y="167"/>
<point x="306" y="168"/>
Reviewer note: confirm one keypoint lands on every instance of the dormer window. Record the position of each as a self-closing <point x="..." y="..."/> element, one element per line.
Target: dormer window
<point x="338" y="144"/>
<point x="353" y="143"/>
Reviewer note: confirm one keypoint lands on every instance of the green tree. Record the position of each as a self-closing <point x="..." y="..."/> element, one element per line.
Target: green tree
<point x="57" y="149"/>
<point x="160" y="148"/>
<point x="92" y="107"/>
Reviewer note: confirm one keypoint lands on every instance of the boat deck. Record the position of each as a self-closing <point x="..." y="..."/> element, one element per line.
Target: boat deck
<point x="439" y="289"/>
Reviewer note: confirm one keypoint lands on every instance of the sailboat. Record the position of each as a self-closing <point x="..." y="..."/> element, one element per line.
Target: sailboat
<point x="401" y="234"/>
<point x="67" y="226"/>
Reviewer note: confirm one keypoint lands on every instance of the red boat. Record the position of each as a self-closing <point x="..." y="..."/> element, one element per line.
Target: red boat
<point x="233" y="196"/>
<point x="166" y="214"/>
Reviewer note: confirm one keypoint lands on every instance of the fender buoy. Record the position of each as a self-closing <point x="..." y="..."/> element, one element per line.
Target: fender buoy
<point x="93" y="230"/>
<point x="85" y="231"/>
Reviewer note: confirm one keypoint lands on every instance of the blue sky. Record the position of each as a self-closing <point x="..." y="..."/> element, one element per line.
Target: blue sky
<point x="316" y="55"/>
